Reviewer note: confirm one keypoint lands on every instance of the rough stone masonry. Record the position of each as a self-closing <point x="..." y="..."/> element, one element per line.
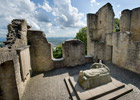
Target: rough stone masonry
<point x="121" y="48"/>
<point x="27" y="51"/>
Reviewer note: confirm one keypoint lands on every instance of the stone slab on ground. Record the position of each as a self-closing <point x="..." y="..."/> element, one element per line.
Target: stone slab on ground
<point x="113" y="89"/>
<point x="70" y="90"/>
<point x="116" y="94"/>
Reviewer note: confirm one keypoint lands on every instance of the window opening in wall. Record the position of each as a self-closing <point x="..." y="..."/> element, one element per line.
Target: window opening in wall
<point x="57" y="51"/>
<point x="57" y="45"/>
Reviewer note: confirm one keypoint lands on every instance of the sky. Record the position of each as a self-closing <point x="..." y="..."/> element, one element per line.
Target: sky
<point x="57" y="18"/>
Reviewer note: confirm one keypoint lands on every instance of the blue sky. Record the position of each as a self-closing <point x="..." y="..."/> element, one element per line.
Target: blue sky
<point x="57" y="18"/>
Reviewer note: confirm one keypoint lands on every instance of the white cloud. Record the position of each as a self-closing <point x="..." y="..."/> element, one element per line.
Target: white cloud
<point x="94" y="2"/>
<point x="66" y="14"/>
<point x="46" y="6"/>
<point x="23" y="9"/>
<point x="118" y="5"/>
<point x="118" y="14"/>
<point x="41" y="16"/>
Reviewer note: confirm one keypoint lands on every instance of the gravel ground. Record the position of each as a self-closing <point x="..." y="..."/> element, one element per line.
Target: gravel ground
<point x="50" y="85"/>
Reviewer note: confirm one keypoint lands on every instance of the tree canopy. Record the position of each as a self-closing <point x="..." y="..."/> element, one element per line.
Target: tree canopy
<point x="117" y="25"/>
<point x="82" y="35"/>
<point x="57" y="52"/>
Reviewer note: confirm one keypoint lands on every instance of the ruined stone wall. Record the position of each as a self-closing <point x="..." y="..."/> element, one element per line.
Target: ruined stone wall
<point x="122" y="48"/>
<point x="120" y="43"/>
<point x="17" y="33"/>
<point x="105" y="21"/>
<point x="133" y="57"/>
<point x="41" y="51"/>
<point x="130" y="21"/>
<point x="24" y="60"/>
<point x="14" y="61"/>
<point x="91" y="28"/>
<point x="11" y="75"/>
<point x="8" y="83"/>
<point x="73" y="52"/>
<point x="125" y="51"/>
<point x="102" y="51"/>
<point x="98" y="25"/>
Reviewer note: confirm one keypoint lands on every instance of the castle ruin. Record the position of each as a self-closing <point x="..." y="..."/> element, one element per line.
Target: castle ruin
<point x="27" y="51"/>
<point x="121" y="48"/>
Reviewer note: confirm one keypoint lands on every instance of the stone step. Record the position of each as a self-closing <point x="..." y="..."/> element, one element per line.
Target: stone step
<point x="70" y="90"/>
<point x="116" y="94"/>
<point x="95" y="92"/>
<point x="108" y="91"/>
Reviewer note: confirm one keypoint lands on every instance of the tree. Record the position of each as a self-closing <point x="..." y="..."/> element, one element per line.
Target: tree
<point x="117" y="25"/>
<point x="82" y="35"/>
<point x="57" y="52"/>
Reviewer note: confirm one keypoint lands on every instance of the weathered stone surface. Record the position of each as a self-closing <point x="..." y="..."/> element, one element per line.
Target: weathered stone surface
<point x="73" y="52"/>
<point x="130" y="21"/>
<point x="11" y="75"/>
<point x="8" y="81"/>
<point x="98" y="25"/>
<point x="40" y="49"/>
<point x="125" y="20"/>
<point x="24" y="58"/>
<point x="94" y="77"/>
<point x="122" y="48"/>
<point x="11" y="82"/>
<point x="17" y="33"/>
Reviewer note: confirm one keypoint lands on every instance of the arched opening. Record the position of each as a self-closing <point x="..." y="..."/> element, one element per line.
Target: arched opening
<point x="8" y="88"/>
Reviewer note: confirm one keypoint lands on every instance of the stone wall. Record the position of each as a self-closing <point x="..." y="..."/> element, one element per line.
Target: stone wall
<point x="98" y="25"/>
<point x="11" y="73"/>
<point x="8" y="83"/>
<point x="125" y="51"/>
<point x="122" y="48"/>
<point x="24" y="58"/>
<point x="14" y="61"/>
<point x="133" y="57"/>
<point x="17" y="33"/>
<point x="73" y="52"/>
<point x="41" y="51"/>
<point x="130" y="21"/>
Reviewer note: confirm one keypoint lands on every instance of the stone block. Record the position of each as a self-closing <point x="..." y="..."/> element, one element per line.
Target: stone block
<point x="96" y="76"/>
